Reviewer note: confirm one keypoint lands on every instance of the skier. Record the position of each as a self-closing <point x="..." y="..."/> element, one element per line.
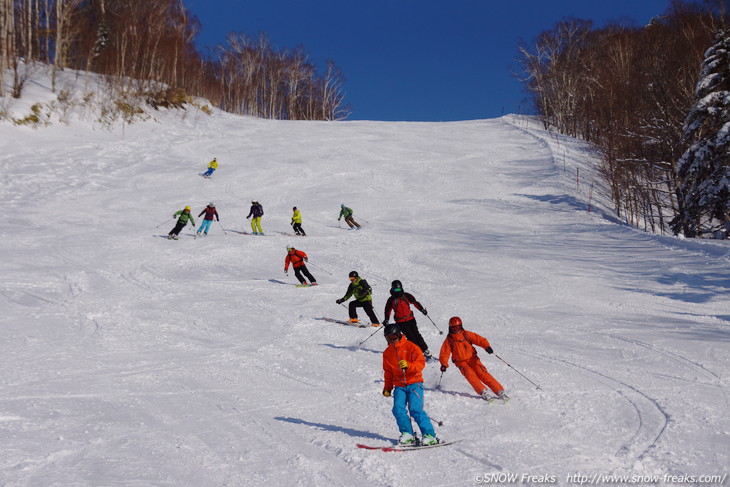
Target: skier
<point x="296" y="222"/>
<point x="212" y="166"/>
<point x="257" y="211"/>
<point x="363" y="298"/>
<point x="185" y="216"/>
<point x="297" y="258"/>
<point x="210" y="212"/>
<point x="399" y="302"/>
<point x="459" y="345"/>
<point x="403" y="362"/>
<point x="346" y="213"/>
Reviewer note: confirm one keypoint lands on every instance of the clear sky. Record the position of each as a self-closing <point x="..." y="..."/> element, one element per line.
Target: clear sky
<point x="415" y="60"/>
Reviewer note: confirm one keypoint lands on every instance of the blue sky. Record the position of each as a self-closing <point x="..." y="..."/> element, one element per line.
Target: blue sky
<point x="415" y="60"/>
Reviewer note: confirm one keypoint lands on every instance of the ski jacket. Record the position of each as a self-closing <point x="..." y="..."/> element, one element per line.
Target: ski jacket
<point x="401" y="307"/>
<point x="209" y="213"/>
<point x="406" y="350"/>
<point x="345" y="212"/>
<point x="296" y="259"/>
<point x="256" y="210"/>
<point x="296" y="217"/>
<point x="184" y="217"/>
<point x="460" y="346"/>
<point x="213" y="165"/>
<point x="360" y="289"/>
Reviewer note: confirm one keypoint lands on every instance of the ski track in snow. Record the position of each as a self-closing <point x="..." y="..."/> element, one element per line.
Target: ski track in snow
<point x="135" y="360"/>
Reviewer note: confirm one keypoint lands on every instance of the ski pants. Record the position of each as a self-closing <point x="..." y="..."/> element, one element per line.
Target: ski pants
<point x="409" y="400"/>
<point x="298" y="229"/>
<point x="476" y="374"/>
<point x="205" y="226"/>
<point x="209" y="172"/>
<point x="256" y="225"/>
<point x="410" y="330"/>
<point x="351" y="221"/>
<point x="178" y="226"/>
<point x="298" y="271"/>
<point x="367" y="306"/>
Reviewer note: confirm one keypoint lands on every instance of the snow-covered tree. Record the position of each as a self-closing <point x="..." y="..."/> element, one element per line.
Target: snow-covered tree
<point x="703" y="171"/>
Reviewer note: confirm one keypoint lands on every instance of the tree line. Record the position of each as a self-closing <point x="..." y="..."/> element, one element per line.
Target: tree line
<point x="628" y="90"/>
<point x="147" y="47"/>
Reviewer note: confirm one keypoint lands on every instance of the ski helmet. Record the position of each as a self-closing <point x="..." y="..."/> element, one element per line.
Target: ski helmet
<point x="392" y="329"/>
<point x="211" y="204"/>
<point x="289" y="247"/>
<point x="187" y="208"/>
<point x="294" y="209"/>
<point x="396" y="289"/>
<point x="455" y="321"/>
<point x="354" y="274"/>
<point x="342" y="205"/>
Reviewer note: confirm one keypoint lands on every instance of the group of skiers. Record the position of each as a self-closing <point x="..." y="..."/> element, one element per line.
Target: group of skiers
<point x="405" y="358"/>
<point x="407" y="352"/>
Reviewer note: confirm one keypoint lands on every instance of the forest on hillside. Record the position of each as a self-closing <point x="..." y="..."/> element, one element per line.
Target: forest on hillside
<point x="147" y="48"/>
<point x="655" y="101"/>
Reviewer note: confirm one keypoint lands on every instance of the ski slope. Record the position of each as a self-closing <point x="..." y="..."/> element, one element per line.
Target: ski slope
<point x="129" y="359"/>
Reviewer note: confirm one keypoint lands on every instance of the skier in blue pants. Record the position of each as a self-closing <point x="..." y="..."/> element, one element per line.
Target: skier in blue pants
<point x="210" y="212"/>
<point x="403" y="362"/>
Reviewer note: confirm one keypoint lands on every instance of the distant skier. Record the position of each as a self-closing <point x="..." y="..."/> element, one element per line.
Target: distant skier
<point x="296" y="222"/>
<point x="297" y="259"/>
<point x="400" y="303"/>
<point x="363" y="298"/>
<point x="210" y="213"/>
<point x="459" y="344"/>
<point x="212" y="166"/>
<point x="257" y="211"/>
<point x="403" y="362"/>
<point x="184" y="217"/>
<point x="346" y="213"/>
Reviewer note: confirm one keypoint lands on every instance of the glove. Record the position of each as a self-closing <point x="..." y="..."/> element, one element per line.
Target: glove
<point x="489" y="350"/>
<point x="286" y="272"/>
<point x="248" y="217"/>
<point x="386" y="392"/>
<point x="340" y="301"/>
<point x="385" y="322"/>
<point x="424" y="311"/>
<point x="306" y="259"/>
<point x="444" y="367"/>
<point x="403" y="364"/>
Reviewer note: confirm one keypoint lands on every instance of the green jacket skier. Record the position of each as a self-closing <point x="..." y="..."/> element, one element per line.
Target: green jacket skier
<point x="184" y="217"/>
<point x="361" y="290"/>
<point x="346" y="213"/>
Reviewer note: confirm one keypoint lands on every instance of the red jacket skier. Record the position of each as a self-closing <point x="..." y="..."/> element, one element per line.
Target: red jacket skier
<point x="297" y="258"/>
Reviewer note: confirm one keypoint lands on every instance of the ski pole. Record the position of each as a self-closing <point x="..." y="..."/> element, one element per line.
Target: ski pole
<point x="158" y="226"/>
<point x="224" y="230"/>
<point x="320" y="268"/>
<point x="440" y="423"/>
<point x="368" y="338"/>
<point x="523" y="375"/>
<point x="434" y="324"/>
<point x="438" y="386"/>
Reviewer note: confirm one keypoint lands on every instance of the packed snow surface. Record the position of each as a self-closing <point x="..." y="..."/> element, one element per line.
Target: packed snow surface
<point x="130" y="359"/>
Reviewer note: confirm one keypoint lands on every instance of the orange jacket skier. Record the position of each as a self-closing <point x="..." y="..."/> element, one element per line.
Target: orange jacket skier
<point x="459" y="345"/>
<point x="403" y="362"/>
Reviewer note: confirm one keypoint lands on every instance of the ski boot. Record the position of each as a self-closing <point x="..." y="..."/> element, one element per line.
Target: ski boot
<point x="407" y="439"/>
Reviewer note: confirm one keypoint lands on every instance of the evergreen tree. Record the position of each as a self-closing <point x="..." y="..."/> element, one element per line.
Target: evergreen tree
<point x="703" y="171"/>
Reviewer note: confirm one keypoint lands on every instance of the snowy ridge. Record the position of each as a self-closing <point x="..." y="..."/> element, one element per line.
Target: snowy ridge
<point x="136" y="360"/>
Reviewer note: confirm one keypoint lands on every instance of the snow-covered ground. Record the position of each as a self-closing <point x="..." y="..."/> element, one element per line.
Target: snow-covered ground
<point x="129" y="359"/>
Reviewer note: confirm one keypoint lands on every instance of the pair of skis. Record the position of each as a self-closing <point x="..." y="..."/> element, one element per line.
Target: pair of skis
<point x="402" y="448"/>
